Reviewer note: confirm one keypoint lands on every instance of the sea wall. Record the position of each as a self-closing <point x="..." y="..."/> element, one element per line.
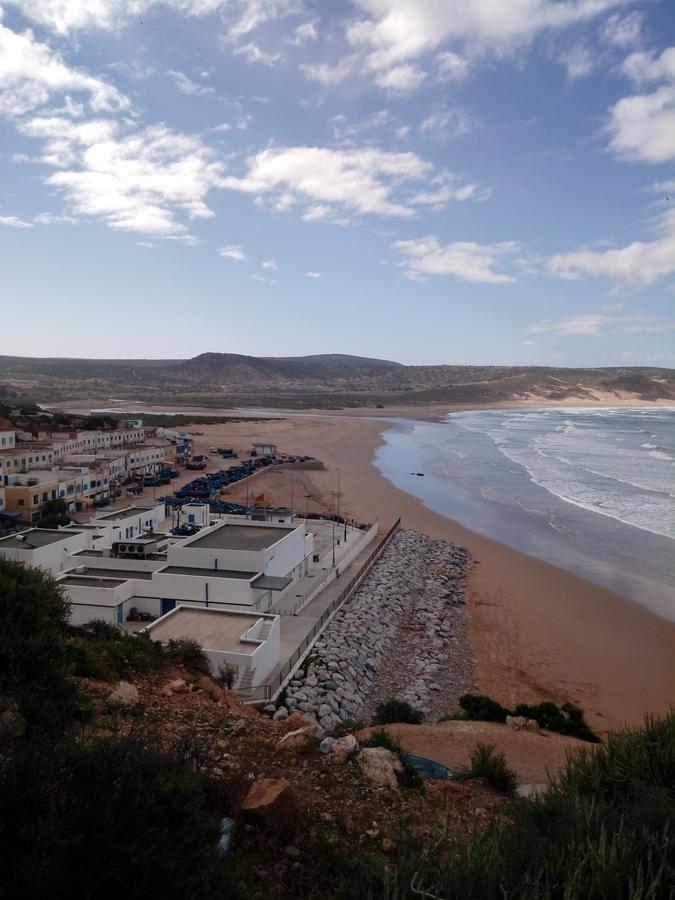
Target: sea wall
<point x="401" y="634"/>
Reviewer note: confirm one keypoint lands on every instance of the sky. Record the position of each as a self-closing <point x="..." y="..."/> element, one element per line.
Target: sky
<point x="430" y="181"/>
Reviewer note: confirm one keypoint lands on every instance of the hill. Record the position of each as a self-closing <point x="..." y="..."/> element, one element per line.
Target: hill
<point x="324" y="380"/>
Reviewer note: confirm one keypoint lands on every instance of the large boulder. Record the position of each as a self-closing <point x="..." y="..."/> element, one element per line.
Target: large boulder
<point x="177" y="686"/>
<point x="299" y="739"/>
<point x="380" y="765"/>
<point x="271" y="804"/>
<point x="124" y="694"/>
<point x="341" y="749"/>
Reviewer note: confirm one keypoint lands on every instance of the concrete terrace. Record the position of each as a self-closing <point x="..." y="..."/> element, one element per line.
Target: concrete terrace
<point x="212" y="629"/>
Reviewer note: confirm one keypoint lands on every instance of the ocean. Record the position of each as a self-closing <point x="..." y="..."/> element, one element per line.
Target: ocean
<point x="591" y="490"/>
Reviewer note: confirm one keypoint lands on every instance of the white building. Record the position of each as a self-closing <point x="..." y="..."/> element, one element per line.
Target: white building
<point x="45" y="548"/>
<point x="248" y="643"/>
<point x="128" y="523"/>
<point x="7" y="440"/>
<point x="231" y="565"/>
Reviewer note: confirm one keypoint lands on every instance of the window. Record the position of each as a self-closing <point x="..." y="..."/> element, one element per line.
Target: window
<point x="35" y="500"/>
<point x="22" y="503"/>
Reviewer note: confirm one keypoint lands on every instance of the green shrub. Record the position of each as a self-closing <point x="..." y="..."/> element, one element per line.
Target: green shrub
<point x="393" y="711"/>
<point x="480" y="708"/>
<point x="121" y="655"/>
<point x="109" y="818"/>
<point x="488" y="764"/>
<point x="36" y="671"/>
<point x="566" y="719"/>
<point x="348" y="726"/>
<point x="380" y="738"/>
<point x="187" y="653"/>
<point x="604" y="831"/>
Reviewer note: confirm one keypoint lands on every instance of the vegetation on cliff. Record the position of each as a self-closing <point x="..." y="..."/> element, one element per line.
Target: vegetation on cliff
<point x="101" y="801"/>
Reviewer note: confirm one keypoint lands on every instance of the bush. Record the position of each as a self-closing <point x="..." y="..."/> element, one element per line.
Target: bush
<point x="107" y="819"/>
<point x="393" y="711"/>
<point x="118" y="654"/>
<point x="488" y="764"/>
<point x="566" y="719"/>
<point x="36" y="670"/>
<point x="347" y="726"/>
<point x="480" y="708"/>
<point x="188" y="653"/>
<point x="380" y="738"/>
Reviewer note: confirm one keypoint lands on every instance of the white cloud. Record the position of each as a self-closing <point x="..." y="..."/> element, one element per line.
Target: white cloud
<point x="313" y="275"/>
<point x="252" y="53"/>
<point x="644" y="67"/>
<point x="623" y="30"/>
<point x="328" y="74"/>
<point x="270" y="264"/>
<point x="463" y="259"/>
<point x="584" y="324"/>
<point x="346" y="132"/>
<point x="133" y="180"/>
<point x="453" y="121"/>
<point x="31" y="73"/>
<point x="326" y="181"/>
<point x="637" y="265"/>
<point x="400" y="79"/>
<point x="593" y="324"/>
<point x="48" y="218"/>
<point x="262" y="278"/>
<point x="244" y="16"/>
<point x="393" y="33"/>
<point x="451" y="66"/>
<point x="14" y="222"/>
<point x="64" y="16"/>
<point x="187" y="86"/>
<point x="147" y="244"/>
<point x="650" y="327"/>
<point x="579" y="62"/>
<point x="642" y="126"/>
<point x="303" y="34"/>
<point x="233" y="251"/>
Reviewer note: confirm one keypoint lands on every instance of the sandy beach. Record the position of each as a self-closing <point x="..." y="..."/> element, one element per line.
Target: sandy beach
<point x="537" y="631"/>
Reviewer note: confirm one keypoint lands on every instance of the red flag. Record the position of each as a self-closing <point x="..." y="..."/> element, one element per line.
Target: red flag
<point x="259" y="499"/>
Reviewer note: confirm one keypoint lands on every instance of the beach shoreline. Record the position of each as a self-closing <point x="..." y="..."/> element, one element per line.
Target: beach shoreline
<point x="537" y="631"/>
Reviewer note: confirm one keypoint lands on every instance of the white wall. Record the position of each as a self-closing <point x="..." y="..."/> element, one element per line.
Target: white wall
<point x="53" y="557"/>
<point x="281" y="559"/>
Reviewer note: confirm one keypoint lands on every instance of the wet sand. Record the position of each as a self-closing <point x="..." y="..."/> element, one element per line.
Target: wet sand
<point x="537" y="631"/>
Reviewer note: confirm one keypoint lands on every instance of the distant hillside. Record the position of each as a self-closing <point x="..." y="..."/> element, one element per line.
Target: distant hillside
<point x="327" y="380"/>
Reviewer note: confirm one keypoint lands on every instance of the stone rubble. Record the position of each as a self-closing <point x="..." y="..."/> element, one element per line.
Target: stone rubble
<point x="402" y="634"/>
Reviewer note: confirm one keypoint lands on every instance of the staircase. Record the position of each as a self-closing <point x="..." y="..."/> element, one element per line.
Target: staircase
<point x="246" y="682"/>
<point x="264" y="632"/>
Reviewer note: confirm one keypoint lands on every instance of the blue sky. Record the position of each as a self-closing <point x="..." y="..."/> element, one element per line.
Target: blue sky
<point x="432" y="181"/>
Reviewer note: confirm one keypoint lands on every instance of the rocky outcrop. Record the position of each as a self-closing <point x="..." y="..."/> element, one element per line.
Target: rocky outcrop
<point x="124" y="694"/>
<point x="402" y="633"/>
<point x="341" y="749"/>
<point x="271" y="804"/>
<point x="380" y="765"/>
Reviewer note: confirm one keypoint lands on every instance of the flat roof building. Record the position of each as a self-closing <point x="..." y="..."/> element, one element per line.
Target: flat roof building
<point x="45" y="548"/>
<point x="249" y="643"/>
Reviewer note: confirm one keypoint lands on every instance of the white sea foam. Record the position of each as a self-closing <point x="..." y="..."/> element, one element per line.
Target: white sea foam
<point x="594" y="459"/>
